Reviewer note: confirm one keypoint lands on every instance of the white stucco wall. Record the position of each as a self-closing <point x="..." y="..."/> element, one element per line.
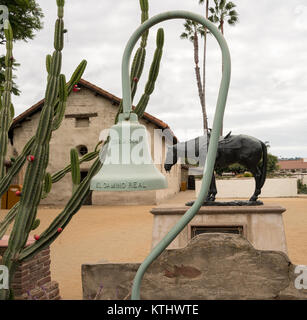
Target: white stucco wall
<point x="237" y="188"/>
<point x="69" y="136"/>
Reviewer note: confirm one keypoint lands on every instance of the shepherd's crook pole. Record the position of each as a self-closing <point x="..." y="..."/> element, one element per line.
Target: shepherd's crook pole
<point x="217" y="125"/>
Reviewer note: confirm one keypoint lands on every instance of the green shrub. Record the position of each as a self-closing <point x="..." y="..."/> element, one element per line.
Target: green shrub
<point x="247" y="174"/>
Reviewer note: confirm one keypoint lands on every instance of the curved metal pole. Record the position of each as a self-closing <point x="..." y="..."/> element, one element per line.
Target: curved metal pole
<point x="217" y="124"/>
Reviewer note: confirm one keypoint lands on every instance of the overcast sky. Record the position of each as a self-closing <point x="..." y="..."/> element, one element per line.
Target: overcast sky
<point x="268" y="91"/>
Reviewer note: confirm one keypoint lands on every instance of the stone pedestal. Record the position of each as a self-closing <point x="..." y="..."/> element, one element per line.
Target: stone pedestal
<point x="32" y="279"/>
<point x="262" y="226"/>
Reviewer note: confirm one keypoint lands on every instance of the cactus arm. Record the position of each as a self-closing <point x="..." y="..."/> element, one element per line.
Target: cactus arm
<point x="6" y="112"/>
<point x="75" y="169"/>
<point x="48" y="62"/>
<point x="9" y="218"/>
<point x="61" y="105"/>
<point x="139" y="57"/>
<point x="47" y="185"/>
<point x="35" y="224"/>
<point x="17" y="165"/>
<point x="60" y="174"/>
<point x="76" y="76"/>
<point x="153" y="74"/>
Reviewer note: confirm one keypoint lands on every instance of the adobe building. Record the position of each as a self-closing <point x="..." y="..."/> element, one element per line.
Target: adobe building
<point x="294" y="166"/>
<point x="297" y="168"/>
<point x="88" y="112"/>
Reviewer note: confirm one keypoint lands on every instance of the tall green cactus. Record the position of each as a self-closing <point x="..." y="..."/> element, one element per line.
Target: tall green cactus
<point x="6" y="112"/>
<point x="50" y="119"/>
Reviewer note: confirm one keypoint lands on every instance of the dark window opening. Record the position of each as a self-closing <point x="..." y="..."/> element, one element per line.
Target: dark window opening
<point x="82" y="150"/>
<point x="82" y="122"/>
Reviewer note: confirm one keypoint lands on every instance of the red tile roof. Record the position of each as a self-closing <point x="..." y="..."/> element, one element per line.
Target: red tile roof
<point x="292" y="164"/>
<point x="83" y="83"/>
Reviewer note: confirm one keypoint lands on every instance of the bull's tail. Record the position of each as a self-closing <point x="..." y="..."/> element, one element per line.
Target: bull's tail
<point x="264" y="164"/>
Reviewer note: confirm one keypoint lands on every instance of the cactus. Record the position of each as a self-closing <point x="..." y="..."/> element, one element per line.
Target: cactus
<point x="153" y="74"/>
<point x="37" y="182"/>
<point x="138" y="65"/>
<point x="75" y="169"/>
<point x="59" y="114"/>
<point x="35" y="224"/>
<point x="6" y="105"/>
<point x="32" y="189"/>
<point x="139" y="57"/>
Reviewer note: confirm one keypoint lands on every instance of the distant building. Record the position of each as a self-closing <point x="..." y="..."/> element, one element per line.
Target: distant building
<point x="293" y="166"/>
<point x="88" y="112"/>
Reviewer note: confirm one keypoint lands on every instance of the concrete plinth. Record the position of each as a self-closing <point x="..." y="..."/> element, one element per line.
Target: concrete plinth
<point x="262" y="226"/>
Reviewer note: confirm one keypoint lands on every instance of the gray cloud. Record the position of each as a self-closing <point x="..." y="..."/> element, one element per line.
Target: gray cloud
<point x="268" y="92"/>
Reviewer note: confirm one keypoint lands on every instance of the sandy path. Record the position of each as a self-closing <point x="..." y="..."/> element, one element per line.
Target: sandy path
<point x="123" y="234"/>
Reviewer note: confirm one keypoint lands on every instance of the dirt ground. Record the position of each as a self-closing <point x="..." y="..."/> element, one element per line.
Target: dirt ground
<point x="123" y="234"/>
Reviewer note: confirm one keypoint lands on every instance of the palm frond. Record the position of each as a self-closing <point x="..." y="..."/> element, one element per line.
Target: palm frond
<point x="230" y="5"/>
<point x="184" y="35"/>
<point x="222" y="4"/>
<point x="211" y="10"/>
<point x="233" y="13"/>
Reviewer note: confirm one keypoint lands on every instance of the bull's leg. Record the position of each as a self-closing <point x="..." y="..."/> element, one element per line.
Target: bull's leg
<point x="212" y="190"/>
<point x="257" y="175"/>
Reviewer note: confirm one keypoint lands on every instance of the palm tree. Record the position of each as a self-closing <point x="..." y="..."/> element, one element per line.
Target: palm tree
<point x="192" y="30"/>
<point x="223" y="11"/>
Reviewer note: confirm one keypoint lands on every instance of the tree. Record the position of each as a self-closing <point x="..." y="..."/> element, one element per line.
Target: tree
<point x="25" y="18"/>
<point x="237" y="168"/>
<point x="223" y="11"/>
<point x="192" y="30"/>
<point x="272" y="163"/>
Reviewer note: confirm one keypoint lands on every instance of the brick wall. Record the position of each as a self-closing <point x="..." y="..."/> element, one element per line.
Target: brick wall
<point x="32" y="279"/>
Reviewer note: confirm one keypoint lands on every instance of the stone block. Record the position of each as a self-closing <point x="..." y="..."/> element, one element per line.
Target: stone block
<point x="212" y="266"/>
